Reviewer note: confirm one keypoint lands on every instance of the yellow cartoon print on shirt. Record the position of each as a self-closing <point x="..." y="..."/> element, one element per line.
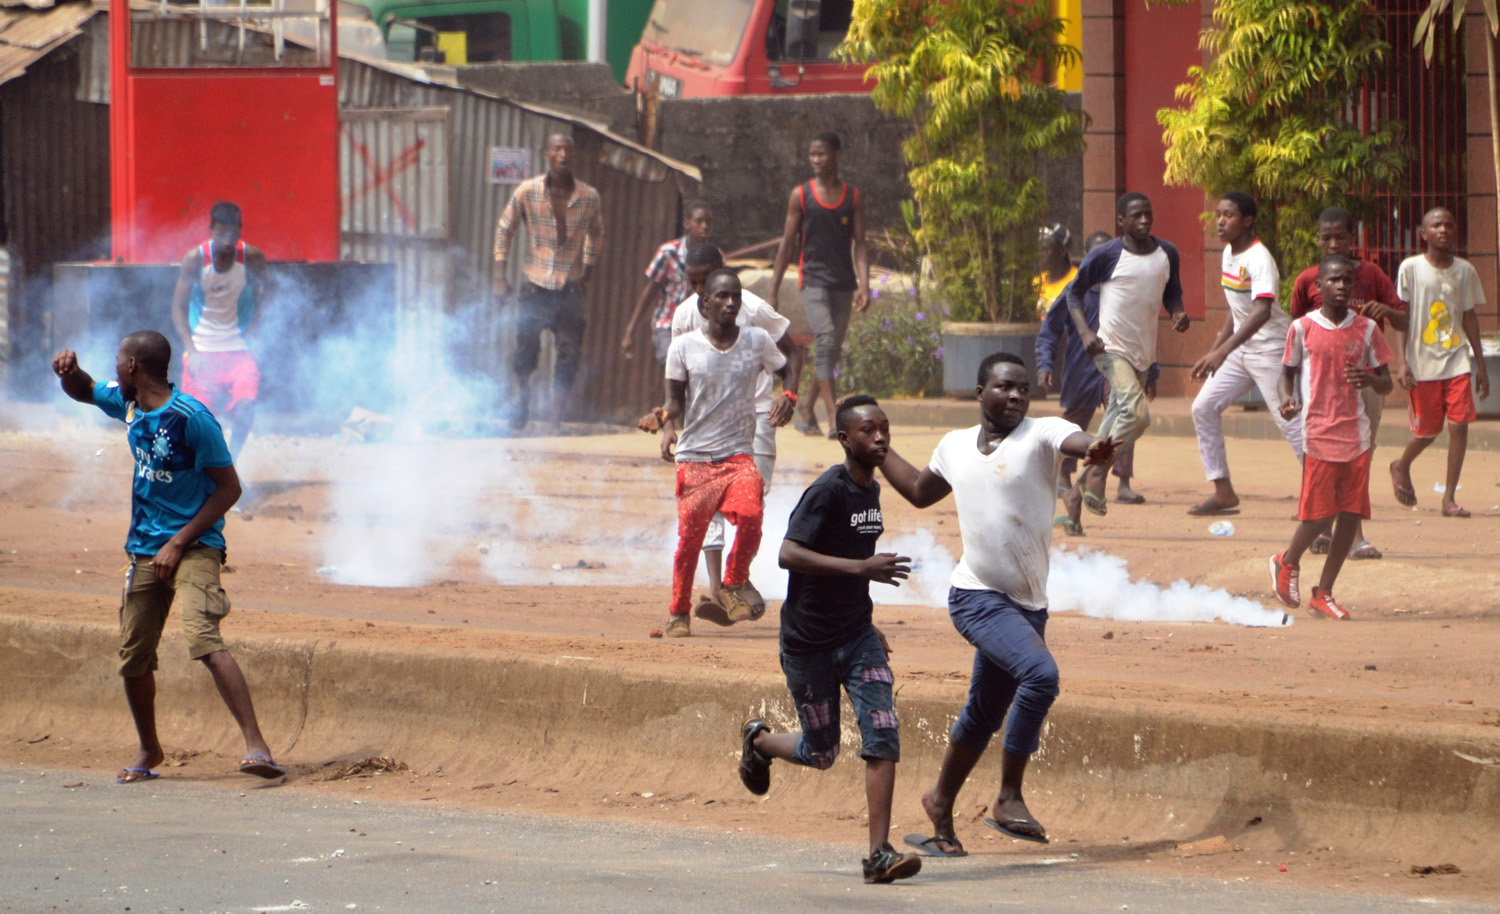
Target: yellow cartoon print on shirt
<point x="1439" y="330"/>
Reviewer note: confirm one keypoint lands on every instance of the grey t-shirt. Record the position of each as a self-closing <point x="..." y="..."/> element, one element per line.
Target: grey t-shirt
<point x="720" y="419"/>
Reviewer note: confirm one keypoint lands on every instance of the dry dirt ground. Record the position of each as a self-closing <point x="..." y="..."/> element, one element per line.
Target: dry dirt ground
<point x="561" y="548"/>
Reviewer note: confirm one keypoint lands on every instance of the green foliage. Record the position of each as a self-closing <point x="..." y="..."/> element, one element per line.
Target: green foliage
<point x="963" y="72"/>
<point x="1427" y="26"/>
<point x="1268" y="115"/>
<point x="895" y="348"/>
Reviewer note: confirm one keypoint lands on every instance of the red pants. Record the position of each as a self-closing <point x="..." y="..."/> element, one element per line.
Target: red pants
<point x="731" y="488"/>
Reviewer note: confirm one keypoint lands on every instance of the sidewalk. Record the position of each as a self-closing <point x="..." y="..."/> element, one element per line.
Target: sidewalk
<point x="1172" y="416"/>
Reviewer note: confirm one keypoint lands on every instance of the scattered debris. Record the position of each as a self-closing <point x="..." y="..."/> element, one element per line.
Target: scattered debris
<point x="1254" y="822"/>
<point x="1441" y="869"/>
<point x="75" y="785"/>
<point x="369" y="766"/>
<point x="35" y="740"/>
<point x="485" y="786"/>
<point x="656" y="633"/>
<point x="1109" y="636"/>
<point x="1492" y="762"/>
<point x="1370" y="667"/>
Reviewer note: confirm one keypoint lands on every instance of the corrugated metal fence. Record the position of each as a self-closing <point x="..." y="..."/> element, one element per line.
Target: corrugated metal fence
<point x="641" y="196"/>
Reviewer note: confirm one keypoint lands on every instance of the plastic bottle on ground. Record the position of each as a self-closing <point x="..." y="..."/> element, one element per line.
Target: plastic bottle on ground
<point x="1221" y="528"/>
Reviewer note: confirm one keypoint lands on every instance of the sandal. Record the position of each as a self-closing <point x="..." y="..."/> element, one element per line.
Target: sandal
<point x="1364" y="550"/>
<point x="261" y="765"/>
<point x="810" y="428"/>
<point x="1096" y="504"/>
<point x="1070" y="526"/>
<point x="1455" y="511"/>
<point x="1320" y="545"/>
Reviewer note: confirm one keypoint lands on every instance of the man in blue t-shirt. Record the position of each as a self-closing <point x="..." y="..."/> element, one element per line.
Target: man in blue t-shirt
<point x="184" y="482"/>
<point x="828" y="638"/>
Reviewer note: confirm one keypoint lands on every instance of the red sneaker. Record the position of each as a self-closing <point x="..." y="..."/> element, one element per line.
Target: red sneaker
<point x="1322" y="602"/>
<point x="1284" y="581"/>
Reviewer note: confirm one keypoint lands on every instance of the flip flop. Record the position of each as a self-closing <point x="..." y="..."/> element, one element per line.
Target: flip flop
<point x="710" y="610"/>
<point x="1364" y="550"/>
<point x="1456" y="511"/>
<point x="261" y="766"/>
<point x="1070" y="526"/>
<point x="1406" y="496"/>
<point x="1004" y="828"/>
<point x="930" y="847"/>
<point x="809" y="428"/>
<point x="1320" y="545"/>
<point x="132" y="775"/>
<point x="1095" y="504"/>
<point x="1135" y="498"/>
<point x="1207" y="508"/>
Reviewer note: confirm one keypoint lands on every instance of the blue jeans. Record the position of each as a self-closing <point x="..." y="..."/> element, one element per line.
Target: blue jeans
<point x="1014" y="673"/>
<point x="860" y="664"/>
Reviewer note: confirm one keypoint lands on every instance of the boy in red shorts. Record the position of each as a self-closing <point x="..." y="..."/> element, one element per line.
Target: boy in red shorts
<point x="1438" y="350"/>
<point x="1337" y="354"/>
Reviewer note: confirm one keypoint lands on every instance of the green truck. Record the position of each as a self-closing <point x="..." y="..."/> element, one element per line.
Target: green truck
<point x="482" y="31"/>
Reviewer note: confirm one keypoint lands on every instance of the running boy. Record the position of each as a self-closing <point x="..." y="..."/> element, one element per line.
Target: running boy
<point x="1003" y="474"/>
<point x="1246" y="353"/>
<point x="667" y="281"/>
<point x="1375" y="297"/>
<point x="711" y="376"/>
<point x="828" y="637"/>
<point x="1338" y="353"/>
<point x="1137" y="275"/>
<point x="1434" y="362"/>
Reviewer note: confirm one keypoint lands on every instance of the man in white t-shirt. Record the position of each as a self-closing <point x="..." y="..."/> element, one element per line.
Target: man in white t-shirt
<point x="1003" y="476"/>
<point x="1246" y="353"/>
<point x="1137" y="276"/>
<point x="754" y="312"/>
<point x="711" y="378"/>
<point x="1438" y="353"/>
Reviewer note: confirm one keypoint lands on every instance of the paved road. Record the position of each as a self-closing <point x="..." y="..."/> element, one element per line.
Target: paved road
<point x="186" y="847"/>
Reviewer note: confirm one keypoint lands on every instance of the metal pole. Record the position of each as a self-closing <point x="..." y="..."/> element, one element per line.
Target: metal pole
<point x="598" y="10"/>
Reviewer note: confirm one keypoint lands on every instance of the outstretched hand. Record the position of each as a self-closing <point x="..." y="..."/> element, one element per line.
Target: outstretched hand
<point x="886" y="568"/>
<point x="1101" y="451"/>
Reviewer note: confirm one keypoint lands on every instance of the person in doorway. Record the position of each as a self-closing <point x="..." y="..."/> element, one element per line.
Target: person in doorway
<point x="184" y="482"/>
<point x="702" y="261"/>
<point x="564" y="231"/>
<point x="215" y="310"/>
<point x="1336" y="353"/>
<point x="1083" y="387"/>
<point x="667" y="281"/>
<point x="1375" y="297"/>
<point x="1439" y="360"/>
<point x="1003" y="476"/>
<point x="1247" y="352"/>
<point x="1137" y="276"/>
<point x="825" y="229"/>
<point x="711" y="378"/>
<point x="828" y="634"/>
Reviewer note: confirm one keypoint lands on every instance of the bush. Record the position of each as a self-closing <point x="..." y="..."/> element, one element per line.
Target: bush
<point x="894" y="349"/>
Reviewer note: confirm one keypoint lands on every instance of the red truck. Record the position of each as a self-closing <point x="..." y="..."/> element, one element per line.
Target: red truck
<point x="699" y="49"/>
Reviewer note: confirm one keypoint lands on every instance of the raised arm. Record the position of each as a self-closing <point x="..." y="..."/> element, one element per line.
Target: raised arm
<point x="921" y="488"/>
<point x="790" y="233"/>
<point x="76" y="382"/>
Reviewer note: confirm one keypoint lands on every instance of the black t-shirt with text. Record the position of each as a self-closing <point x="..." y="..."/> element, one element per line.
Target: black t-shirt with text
<point x="838" y="517"/>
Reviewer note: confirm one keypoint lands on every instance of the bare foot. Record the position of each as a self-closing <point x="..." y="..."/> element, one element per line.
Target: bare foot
<point x="1213" y="505"/>
<point x="1014" y="815"/>
<point x="1073" y="504"/>
<point x="943" y="834"/>
<point x="1095" y="481"/>
<point x="1406" y="494"/>
<point x="1125" y="495"/>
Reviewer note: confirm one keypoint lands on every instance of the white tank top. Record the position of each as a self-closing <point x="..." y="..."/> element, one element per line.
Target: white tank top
<point x="220" y="308"/>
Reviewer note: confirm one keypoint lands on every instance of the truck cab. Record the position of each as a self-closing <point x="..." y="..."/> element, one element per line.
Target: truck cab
<point x="464" y="31"/>
<point x="695" y="49"/>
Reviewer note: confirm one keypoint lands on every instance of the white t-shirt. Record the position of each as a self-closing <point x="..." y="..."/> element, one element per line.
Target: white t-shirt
<point x="719" y="422"/>
<point x="1436" y="347"/>
<point x="1129" y="305"/>
<point x="1247" y="277"/>
<point x="754" y="312"/>
<point x="1005" y="504"/>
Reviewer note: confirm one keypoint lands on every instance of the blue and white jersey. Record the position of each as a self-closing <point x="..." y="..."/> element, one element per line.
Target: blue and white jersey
<point x="1132" y="289"/>
<point x="172" y="446"/>
<point x="222" y="304"/>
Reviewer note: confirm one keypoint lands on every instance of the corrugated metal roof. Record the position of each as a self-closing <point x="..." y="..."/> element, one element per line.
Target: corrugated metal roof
<point x="27" y="35"/>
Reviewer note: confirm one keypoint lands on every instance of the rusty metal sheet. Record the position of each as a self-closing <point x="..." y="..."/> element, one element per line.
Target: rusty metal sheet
<point x="28" y="35"/>
<point x="393" y="165"/>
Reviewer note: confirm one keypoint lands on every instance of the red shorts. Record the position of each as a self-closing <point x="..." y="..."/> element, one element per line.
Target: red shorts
<point x="220" y="380"/>
<point x="1433" y="401"/>
<point x="1329" y="489"/>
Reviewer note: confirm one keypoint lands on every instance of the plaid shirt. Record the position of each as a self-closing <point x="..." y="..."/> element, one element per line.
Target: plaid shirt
<point x="549" y="264"/>
<point x="668" y="269"/>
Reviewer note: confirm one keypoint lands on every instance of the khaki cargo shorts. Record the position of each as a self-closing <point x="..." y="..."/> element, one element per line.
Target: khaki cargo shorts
<point x="147" y="599"/>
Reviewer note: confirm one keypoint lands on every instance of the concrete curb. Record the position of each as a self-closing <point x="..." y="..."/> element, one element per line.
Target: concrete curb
<point x="1114" y="767"/>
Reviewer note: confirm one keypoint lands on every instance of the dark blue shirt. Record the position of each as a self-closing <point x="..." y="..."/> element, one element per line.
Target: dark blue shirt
<point x="1082" y="384"/>
<point x="172" y="446"/>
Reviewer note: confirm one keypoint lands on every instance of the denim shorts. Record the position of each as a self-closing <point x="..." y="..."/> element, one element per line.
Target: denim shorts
<point x="860" y="665"/>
